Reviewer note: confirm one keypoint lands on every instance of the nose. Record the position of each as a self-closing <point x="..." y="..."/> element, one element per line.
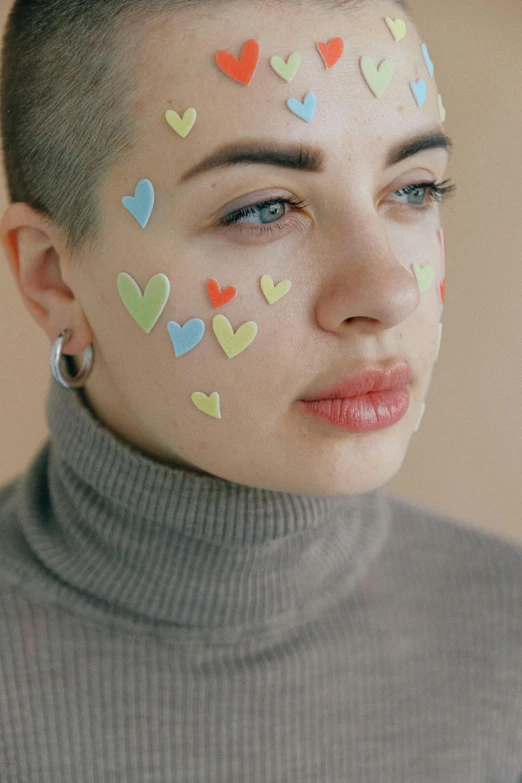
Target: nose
<point x="364" y="281"/>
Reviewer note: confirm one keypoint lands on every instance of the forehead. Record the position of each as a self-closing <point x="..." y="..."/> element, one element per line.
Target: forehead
<point x="174" y="67"/>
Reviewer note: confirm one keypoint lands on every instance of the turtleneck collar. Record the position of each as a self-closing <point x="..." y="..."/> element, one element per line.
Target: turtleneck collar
<point x="150" y="546"/>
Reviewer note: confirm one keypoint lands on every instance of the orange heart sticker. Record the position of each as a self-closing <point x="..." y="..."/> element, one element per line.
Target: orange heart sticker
<point x="220" y="297"/>
<point x="332" y="51"/>
<point x="241" y="70"/>
<point x="441" y="290"/>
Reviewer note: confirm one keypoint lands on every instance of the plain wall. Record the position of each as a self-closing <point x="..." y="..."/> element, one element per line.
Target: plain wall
<point x="466" y="458"/>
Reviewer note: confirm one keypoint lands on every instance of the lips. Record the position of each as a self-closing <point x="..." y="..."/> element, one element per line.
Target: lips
<point x="369" y="379"/>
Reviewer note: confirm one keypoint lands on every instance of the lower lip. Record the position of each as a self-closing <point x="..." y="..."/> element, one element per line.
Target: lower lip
<point x="372" y="411"/>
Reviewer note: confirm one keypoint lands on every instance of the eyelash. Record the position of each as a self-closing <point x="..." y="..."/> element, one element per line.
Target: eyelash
<point x="439" y="191"/>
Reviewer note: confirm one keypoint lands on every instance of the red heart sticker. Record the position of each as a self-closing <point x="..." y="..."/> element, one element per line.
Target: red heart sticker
<point x="220" y="297"/>
<point x="441" y="289"/>
<point x="241" y="70"/>
<point x="332" y="51"/>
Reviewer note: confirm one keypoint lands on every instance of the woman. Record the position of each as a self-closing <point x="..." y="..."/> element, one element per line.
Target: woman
<point x="229" y="214"/>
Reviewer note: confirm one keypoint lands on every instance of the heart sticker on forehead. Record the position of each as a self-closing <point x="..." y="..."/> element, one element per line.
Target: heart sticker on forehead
<point x="331" y="52"/>
<point x="442" y="110"/>
<point x="146" y="308"/>
<point x="377" y="79"/>
<point x="420" y="91"/>
<point x="397" y="27"/>
<point x="427" y="59"/>
<point x="241" y="70"/>
<point x="286" y="70"/>
<point x="184" y="125"/>
<point x="304" y="110"/>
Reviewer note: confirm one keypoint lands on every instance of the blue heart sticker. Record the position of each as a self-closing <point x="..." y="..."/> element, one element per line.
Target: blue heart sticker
<point x="142" y="203"/>
<point x="427" y="59"/>
<point x="185" y="338"/>
<point x="420" y="91"/>
<point x="306" y="109"/>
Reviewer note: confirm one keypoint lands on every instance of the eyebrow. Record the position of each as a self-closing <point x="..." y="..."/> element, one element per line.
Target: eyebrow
<point x="306" y="158"/>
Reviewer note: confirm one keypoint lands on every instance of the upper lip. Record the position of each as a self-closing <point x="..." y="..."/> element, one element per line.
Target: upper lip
<point x="367" y="379"/>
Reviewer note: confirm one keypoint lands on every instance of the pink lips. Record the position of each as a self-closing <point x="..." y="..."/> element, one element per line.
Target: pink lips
<point x="371" y="400"/>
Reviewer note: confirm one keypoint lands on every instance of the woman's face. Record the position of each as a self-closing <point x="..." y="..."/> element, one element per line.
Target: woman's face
<point x="347" y="242"/>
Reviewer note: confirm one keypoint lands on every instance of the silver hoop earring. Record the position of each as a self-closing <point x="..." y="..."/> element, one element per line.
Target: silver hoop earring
<point x="62" y="379"/>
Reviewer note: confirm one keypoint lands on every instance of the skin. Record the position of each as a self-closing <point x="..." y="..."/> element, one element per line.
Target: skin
<point x="354" y="298"/>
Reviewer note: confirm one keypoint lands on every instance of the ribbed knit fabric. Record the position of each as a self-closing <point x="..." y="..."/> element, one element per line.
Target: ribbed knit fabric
<point x="162" y="626"/>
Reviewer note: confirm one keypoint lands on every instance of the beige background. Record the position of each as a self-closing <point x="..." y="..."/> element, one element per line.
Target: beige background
<point x="466" y="459"/>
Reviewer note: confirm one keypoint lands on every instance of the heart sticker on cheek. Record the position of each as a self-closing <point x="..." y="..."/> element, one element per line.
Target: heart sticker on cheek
<point x="425" y="276"/>
<point x="146" y="308"/>
<point x="233" y="344"/>
<point x="208" y="405"/>
<point x="220" y="297"/>
<point x="142" y="203"/>
<point x="331" y="52"/>
<point x="185" y="338"/>
<point x="274" y="293"/>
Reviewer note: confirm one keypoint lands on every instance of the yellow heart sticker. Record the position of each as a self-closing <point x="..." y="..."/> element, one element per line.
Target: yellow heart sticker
<point x="397" y="28"/>
<point x="425" y="276"/>
<point x="377" y="79"/>
<point x="286" y="70"/>
<point x="209" y="405"/>
<point x="232" y="343"/>
<point x="184" y="125"/>
<point x="442" y="110"/>
<point x="274" y="293"/>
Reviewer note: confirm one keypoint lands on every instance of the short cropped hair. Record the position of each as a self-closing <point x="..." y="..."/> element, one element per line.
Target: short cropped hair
<point x="66" y="96"/>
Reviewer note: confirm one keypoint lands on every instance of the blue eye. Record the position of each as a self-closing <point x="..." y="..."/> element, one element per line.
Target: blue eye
<point x="263" y="213"/>
<point x="417" y="192"/>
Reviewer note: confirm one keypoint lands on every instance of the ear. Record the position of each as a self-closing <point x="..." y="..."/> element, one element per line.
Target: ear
<point x="37" y="262"/>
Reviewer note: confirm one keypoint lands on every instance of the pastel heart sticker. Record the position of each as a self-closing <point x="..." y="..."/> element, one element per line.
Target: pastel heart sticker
<point x="425" y="276"/>
<point x="274" y="293"/>
<point x="146" y="308"/>
<point x="441" y="290"/>
<point x="306" y="109"/>
<point x="220" y="297"/>
<point x="209" y="405"/>
<point x="439" y="341"/>
<point x="427" y="59"/>
<point x="182" y="125"/>
<point x="377" y="79"/>
<point x="421" y="416"/>
<point x="286" y="70"/>
<point x="242" y="69"/>
<point x="331" y="52"/>
<point x="420" y="91"/>
<point x="185" y="338"/>
<point x="232" y="343"/>
<point x="442" y="110"/>
<point x="397" y="27"/>
<point x="142" y="203"/>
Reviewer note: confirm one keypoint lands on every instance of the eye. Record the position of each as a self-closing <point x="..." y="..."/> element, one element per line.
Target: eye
<point x="438" y="191"/>
<point x="262" y="213"/>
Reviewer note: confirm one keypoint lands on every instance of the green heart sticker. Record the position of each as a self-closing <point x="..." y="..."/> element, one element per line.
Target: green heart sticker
<point x="425" y="276"/>
<point x="146" y="308"/>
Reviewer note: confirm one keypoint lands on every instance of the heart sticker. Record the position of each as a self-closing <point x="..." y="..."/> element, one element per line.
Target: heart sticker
<point x="232" y="343"/>
<point x="377" y="79"/>
<point x="144" y="309"/>
<point x="209" y="405"/>
<point x="420" y="91"/>
<point x="441" y="290"/>
<point x="184" y="125"/>
<point x="286" y="70"/>
<point x="274" y="293"/>
<point x="304" y="110"/>
<point x="421" y="416"/>
<point x="241" y="70"/>
<point x="427" y="59"/>
<point x="331" y="52"/>
<point x="425" y="276"/>
<point x="439" y="341"/>
<point x="142" y="203"/>
<point x="185" y="338"/>
<point x="397" y="27"/>
<point x="220" y="297"/>
<point x="442" y="110"/>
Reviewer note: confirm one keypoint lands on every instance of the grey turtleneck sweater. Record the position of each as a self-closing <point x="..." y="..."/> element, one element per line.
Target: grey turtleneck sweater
<point x="159" y="626"/>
